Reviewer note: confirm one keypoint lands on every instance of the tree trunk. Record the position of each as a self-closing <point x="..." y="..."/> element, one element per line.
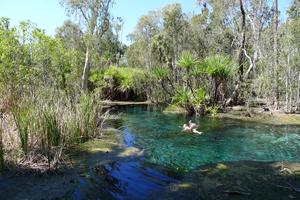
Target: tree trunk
<point x="237" y="86"/>
<point x="217" y="84"/>
<point x="86" y="71"/>
<point x="298" y="93"/>
<point x="286" y="94"/>
<point x="242" y="42"/>
<point x="276" y="59"/>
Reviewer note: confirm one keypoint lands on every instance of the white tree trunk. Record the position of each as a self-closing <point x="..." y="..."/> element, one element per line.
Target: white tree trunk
<point x="276" y="60"/>
<point x="86" y="71"/>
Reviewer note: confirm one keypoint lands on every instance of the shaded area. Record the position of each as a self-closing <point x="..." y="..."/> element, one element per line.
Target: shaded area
<point x="101" y="169"/>
<point x="238" y="180"/>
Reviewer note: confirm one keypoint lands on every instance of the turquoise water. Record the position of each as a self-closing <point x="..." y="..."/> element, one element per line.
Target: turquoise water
<point x="223" y="140"/>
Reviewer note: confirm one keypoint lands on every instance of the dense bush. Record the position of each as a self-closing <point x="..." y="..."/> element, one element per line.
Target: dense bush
<point x="121" y="83"/>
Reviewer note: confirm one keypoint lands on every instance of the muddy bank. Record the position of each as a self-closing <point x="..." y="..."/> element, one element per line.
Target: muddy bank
<point x="252" y="114"/>
<point x="257" y="114"/>
<point x="72" y="182"/>
<point x="239" y="180"/>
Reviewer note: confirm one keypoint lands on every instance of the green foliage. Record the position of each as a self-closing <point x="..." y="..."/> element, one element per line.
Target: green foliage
<point x="126" y="78"/>
<point x="88" y="115"/>
<point x="219" y="67"/>
<point x="181" y="98"/>
<point x="213" y="110"/>
<point x="51" y="127"/>
<point x="160" y="73"/>
<point x="187" y="61"/>
<point x="22" y="118"/>
<point x="200" y="96"/>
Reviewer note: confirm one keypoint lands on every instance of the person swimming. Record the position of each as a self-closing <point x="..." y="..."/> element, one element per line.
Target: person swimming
<point x="192" y="125"/>
<point x="191" y="128"/>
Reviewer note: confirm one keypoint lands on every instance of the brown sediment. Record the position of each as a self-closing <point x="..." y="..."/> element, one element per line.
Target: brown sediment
<point x="259" y="115"/>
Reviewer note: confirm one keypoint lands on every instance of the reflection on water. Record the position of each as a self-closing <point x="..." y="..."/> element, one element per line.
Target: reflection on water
<point x="135" y="179"/>
<point x="223" y="140"/>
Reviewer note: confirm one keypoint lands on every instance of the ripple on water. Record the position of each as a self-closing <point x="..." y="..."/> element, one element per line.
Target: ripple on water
<point x="223" y="140"/>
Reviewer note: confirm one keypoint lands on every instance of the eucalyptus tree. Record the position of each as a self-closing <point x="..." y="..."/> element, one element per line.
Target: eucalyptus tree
<point x="276" y="53"/>
<point x="289" y="57"/>
<point x="199" y="31"/>
<point x="96" y="17"/>
<point x="173" y="24"/>
<point x="71" y="34"/>
<point x="147" y="27"/>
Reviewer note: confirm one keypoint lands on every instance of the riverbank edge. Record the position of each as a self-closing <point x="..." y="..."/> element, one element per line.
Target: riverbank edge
<point x="252" y="114"/>
<point x="258" y="115"/>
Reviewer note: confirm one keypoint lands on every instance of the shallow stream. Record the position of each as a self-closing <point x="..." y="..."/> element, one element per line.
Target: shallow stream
<point x="160" y="136"/>
<point x="169" y="154"/>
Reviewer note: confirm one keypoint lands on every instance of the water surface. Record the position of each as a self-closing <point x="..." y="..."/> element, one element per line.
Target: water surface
<point x="161" y="138"/>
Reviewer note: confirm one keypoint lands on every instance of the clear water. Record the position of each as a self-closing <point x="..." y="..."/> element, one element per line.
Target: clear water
<point x="161" y="138"/>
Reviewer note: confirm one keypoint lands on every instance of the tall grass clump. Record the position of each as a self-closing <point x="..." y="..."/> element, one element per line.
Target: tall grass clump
<point x="22" y="120"/>
<point x="49" y="122"/>
<point x="51" y="129"/>
<point x="87" y="110"/>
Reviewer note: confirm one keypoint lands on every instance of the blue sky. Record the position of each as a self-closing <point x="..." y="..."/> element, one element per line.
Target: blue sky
<point x="48" y="14"/>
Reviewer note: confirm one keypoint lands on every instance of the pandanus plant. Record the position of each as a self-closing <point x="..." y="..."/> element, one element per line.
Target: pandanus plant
<point x="219" y="68"/>
<point x="189" y="63"/>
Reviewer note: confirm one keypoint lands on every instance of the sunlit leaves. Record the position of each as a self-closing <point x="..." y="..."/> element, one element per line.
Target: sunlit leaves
<point x="188" y="61"/>
<point x="126" y="78"/>
<point x="200" y="96"/>
<point x="181" y="98"/>
<point x="220" y="67"/>
<point x="160" y="72"/>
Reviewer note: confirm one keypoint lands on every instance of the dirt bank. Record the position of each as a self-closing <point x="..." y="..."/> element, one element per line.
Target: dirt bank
<point x="257" y="114"/>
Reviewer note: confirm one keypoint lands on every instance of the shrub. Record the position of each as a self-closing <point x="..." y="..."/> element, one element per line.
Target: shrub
<point x="124" y="80"/>
<point x="213" y="111"/>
